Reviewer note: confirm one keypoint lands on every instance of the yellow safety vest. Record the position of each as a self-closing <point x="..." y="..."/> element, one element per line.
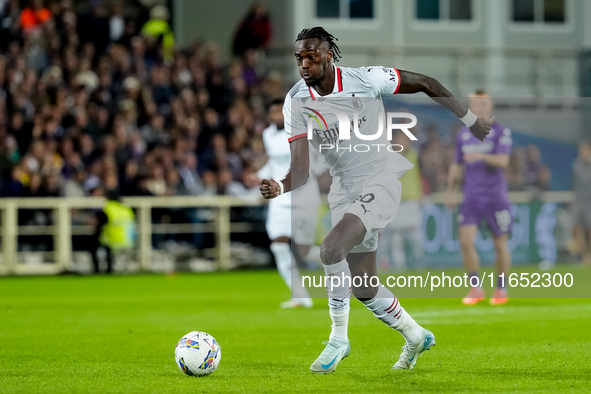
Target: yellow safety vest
<point x="119" y="232"/>
<point x="411" y="181"/>
<point x="156" y="28"/>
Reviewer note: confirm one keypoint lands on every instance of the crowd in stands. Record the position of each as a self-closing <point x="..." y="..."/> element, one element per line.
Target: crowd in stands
<point x="94" y="101"/>
<point x="526" y="171"/>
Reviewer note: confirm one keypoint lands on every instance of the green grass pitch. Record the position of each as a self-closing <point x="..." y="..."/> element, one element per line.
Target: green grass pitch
<point x="118" y="334"/>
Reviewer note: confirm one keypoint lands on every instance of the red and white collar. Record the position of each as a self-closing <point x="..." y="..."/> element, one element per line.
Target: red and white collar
<point x="338" y="84"/>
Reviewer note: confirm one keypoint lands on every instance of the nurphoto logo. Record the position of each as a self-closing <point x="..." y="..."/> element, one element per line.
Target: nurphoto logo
<point x="341" y="130"/>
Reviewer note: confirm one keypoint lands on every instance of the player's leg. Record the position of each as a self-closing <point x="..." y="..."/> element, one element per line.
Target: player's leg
<point x="503" y="263"/>
<point x="467" y="235"/>
<point x="282" y="252"/>
<point x="378" y="298"/>
<point x="94" y="252"/>
<point x="303" y="230"/>
<point x="579" y="240"/>
<point x="578" y="231"/>
<point x="109" y="254"/>
<point x="279" y="231"/>
<point x="386" y="307"/>
<point x="343" y="237"/>
<point x="587" y="246"/>
<point x="302" y="251"/>
<point x="585" y="221"/>
<point x="500" y="221"/>
<point x="303" y="223"/>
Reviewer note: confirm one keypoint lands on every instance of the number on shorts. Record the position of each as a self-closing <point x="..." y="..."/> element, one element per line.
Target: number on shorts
<point x="503" y="219"/>
<point x="369" y="197"/>
<point x="365" y="198"/>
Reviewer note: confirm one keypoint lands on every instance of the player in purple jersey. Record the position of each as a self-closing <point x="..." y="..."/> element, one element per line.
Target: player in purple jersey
<point x="485" y="196"/>
<point x="349" y="250"/>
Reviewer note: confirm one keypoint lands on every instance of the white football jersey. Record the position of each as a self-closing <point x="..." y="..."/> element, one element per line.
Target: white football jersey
<point x="278" y="153"/>
<point x="356" y="91"/>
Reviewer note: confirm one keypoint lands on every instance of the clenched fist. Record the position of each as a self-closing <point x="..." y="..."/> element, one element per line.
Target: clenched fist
<point x="270" y="188"/>
<point x="481" y="128"/>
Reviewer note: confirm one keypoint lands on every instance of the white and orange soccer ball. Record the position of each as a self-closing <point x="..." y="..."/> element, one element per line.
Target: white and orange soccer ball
<point x="197" y="354"/>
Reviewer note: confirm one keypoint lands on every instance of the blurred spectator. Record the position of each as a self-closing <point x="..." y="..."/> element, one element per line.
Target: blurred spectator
<point x="89" y="103"/>
<point x="582" y="203"/>
<point x="34" y="16"/>
<point x="14" y="186"/>
<point x="129" y="33"/>
<point x="93" y="26"/>
<point x="537" y="176"/>
<point x="209" y="183"/>
<point x="248" y="187"/>
<point x="116" y="21"/>
<point x="72" y="188"/>
<point x="158" y="31"/>
<point x="515" y="172"/>
<point x="406" y="229"/>
<point x="254" y="32"/>
<point x="188" y="173"/>
<point x="114" y="230"/>
<point x="434" y="160"/>
<point x="9" y="23"/>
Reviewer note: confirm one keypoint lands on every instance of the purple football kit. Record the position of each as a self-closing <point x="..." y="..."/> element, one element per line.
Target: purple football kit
<point x="485" y="187"/>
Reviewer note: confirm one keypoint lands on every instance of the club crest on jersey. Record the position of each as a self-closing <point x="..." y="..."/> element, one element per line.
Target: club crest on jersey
<point x="357" y="104"/>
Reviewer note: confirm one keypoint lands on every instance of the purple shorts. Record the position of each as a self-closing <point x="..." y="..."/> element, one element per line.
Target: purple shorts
<point x="497" y="215"/>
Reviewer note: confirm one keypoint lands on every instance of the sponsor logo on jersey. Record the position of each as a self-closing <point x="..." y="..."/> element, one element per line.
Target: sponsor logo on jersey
<point x="341" y="130"/>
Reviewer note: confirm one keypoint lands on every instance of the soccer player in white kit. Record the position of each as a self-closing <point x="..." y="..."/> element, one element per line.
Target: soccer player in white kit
<point x="280" y="221"/>
<point x="365" y="190"/>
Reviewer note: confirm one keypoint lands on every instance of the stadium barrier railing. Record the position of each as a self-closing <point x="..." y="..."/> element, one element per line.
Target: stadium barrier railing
<point x="62" y="230"/>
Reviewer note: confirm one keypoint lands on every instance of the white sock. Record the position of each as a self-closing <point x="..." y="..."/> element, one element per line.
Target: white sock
<point x="282" y="253"/>
<point x="288" y="270"/>
<point x="339" y="297"/>
<point x="386" y="307"/>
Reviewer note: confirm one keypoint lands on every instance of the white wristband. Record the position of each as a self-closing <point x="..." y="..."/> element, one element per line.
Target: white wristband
<point x="469" y="119"/>
<point x="281" y="187"/>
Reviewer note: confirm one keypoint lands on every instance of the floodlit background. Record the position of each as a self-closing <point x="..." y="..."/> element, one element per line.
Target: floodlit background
<point x="163" y="102"/>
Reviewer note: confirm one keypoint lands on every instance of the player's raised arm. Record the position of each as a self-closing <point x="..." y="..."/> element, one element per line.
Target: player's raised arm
<point x="414" y="83"/>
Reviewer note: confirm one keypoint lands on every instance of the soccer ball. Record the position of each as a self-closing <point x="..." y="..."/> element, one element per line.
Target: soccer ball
<point x="197" y="354"/>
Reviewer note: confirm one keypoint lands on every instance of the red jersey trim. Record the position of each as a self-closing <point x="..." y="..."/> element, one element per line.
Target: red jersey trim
<point x="399" y="81"/>
<point x="339" y="79"/>
<point x="297" y="137"/>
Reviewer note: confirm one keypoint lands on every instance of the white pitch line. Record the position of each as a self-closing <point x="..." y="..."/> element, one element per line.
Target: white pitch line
<point x="500" y="310"/>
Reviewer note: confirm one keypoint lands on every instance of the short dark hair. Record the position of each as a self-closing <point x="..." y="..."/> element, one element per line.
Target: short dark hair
<point x="113" y="195"/>
<point x="480" y="92"/>
<point x="273" y="102"/>
<point x="320" y="33"/>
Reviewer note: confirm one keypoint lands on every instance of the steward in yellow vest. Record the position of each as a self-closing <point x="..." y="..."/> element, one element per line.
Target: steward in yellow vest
<point x="115" y="230"/>
<point x="119" y="231"/>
